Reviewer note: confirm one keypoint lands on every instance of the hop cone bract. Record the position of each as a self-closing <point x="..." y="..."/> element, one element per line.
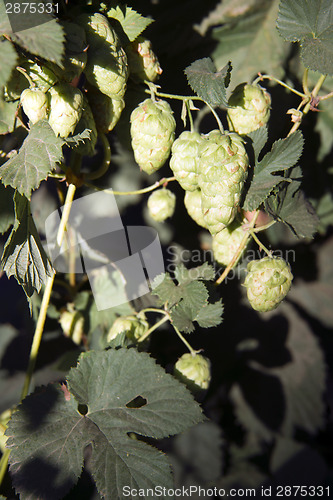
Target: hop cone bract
<point x="153" y="132"/>
<point x="184" y="160"/>
<point x="194" y="370"/>
<point x="66" y="109"/>
<point x="192" y="202"/>
<point x="142" y="61"/>
<point x="35" y="104"/>
<point x="226" y="243"/>
<point x="223" y="170"/>
<point x="268" y="281"/>
<point x="161" y="204"/>
<point x="250" y="108"/>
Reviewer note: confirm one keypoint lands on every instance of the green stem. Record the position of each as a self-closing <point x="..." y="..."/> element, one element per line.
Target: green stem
<point x="65" y="213"/>
<point x="106" y="161"/>
<point x="327" y="96"/>
<point x="175" y="96"/>
<point x="305" y="82"/>
<point x="216" y="118"/>
<point x="256" y="239"/>
<point x="24" y="73"/>
<point x="157" y="184"/>
<point x="190" y="115"/>
<point x="4" y="465"/>
<point x="280" y="82"/>
<point x="263" y="228"/>
<point x="189" y="347"/>
<point x="154" y="327"/>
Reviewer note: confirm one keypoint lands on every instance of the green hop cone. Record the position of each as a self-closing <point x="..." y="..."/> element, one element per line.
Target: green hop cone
<point x="268" y="281"/>
<point x="106" y="67"/>
<point x="142" y="61"/>
<point x="226" y="243"/>
<point x="66" y="109"/>
<point x="133" y="326"/>
<point x="193" y="370"/>
<point x="35" y="104"/>
<point x="87" y="147"/>
<point x="161" y="204"/>
<point x="250" y="108"/>
<point x="153" y="132"/>
<point x="72" y="324"/>
<point x="223" y="171"/>
<point x="192" y="202"/>
<point x="106" y="111"/>
<point x="42" y="76"/>
<point x="184" y="160"/>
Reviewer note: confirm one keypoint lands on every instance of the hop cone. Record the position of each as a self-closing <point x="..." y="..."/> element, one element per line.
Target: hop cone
<point x="192" y="202"/>
<point x="268" y="281"/>
<point x="184" y="160"/>
<point x="106" y="111"/>
<point x="142" y="61"/>
<point x="72" y="324"/>
<point x="106" y="67"/>
<point x="223" y="170"/>
<point x="86" y="122"/>
<point x="42" y="76"/>
<point x="161" y="204"/>
<point x="35" y="104"/>
<point x="133" y="326"/>
<point x="153" y="132"/>
<point x="250" y="108"/>
<point x="66" y="109"/>
<point x="226" y="243"/>
<point x="193" y="370"/>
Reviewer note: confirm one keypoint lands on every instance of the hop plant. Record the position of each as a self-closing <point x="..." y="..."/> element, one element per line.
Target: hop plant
<point x="268" y="281"/>
<point x="223" y="170"/>
<point x="184" y="160"/>
<point x="35" y="104"/>
<point x="133" y="326"/>
<point x="193" y="370"/>
<point x="161" y="204"/>
<point x="106" y="111"/>
<point x="86" y="122"/>
<point x="72" y="324"/>
<point x="42" y="76"/>
<point x="226" y="243"/>
<point x="142" y="61"/>
<point x="250" y="108"/>
<point x="192" y="202"/>
<point x="66" y="109"/>
<point x="153" y="132"/>
<point x="15" y="86"/>
<point x="106" y="67"/>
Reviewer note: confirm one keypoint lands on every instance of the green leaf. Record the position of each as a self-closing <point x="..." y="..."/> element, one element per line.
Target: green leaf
<point x="7" y="116"/>
<point x="7" y="216"/>
<point x="210" y="315"/>
<point x="24" y="256"/>
<point x="75" y="140"/>
<point x="8" y="60"/>
<point x="204" y="272"/>
<point x="164" y="287"/>
<point x="283" y="155"/>
<point x="182" y="317"/>
<point x="110" y="394"/>
<point x="311" y="24"/>
<point x="36" y="159"/>
<point x="207" y="82"/>
<point x="258" y="139"/>
<point x="132" y="23"/>
<point x="243" y="38"/>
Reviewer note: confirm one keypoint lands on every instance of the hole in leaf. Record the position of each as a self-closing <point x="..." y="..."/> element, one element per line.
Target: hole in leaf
<point x="137" y="402"/>
<point x="82" y="409"/>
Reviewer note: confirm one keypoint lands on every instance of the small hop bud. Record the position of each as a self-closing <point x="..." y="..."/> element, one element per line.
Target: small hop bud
<point x="142" y="61"/>
<point x="133" y="326"/>
<point x="35" y="104"/>
<point x="193" y="370"/>
<point x="184" y="160"/>
<point x="250" y="108"/>
<point x="226" y="243"/>
<point x="161" y="204"/>
<point x="192" y="202"/>
<point x="153" y="132"/>
<point x="66" y="109"/>
<point x="268" y="281"/>
<point x="222" y="173"/>
<point x="72" y="324"/>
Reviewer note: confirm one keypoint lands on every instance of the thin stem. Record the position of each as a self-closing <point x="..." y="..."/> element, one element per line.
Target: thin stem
<point x="256" y="239"/>
<point x="189" y="347"/>
<point x="106" y="161"/>
<point x="216" y="118"/>
<point x="157" y="184"/>
<point x="263" y="228"/>
<point x="324" y="97"/>
<point x="154" y="327"/>
<point x="239" y="250"/>
<point x="4" y="464"/>
<point x="153" y="309"/>
<point x="65" y="213"/>
<point x="280" y="82"/>
<point x="24" y="73"/>
<point x="175" y="96"/>
<point x="305" y="82"/>
<point x="189" y="115"/>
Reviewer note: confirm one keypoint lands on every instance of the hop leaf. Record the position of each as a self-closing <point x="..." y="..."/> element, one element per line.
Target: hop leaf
<point x="35" y="104"/>
<point x="192" y="202"/>
<point x="193" y="370"/>
<point x="161" y="204"/>
<point x="250" y="108"/>
<point x="223" y="170"/>
<point x="152" y="132"/>
<point x="66" y="109"/>
<point x="226" y="243"/>
<point x="106" y="67"/>
<point x="142" y="61"/>
<point x="268" y="281"/>
<point x="184" y="160"/>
